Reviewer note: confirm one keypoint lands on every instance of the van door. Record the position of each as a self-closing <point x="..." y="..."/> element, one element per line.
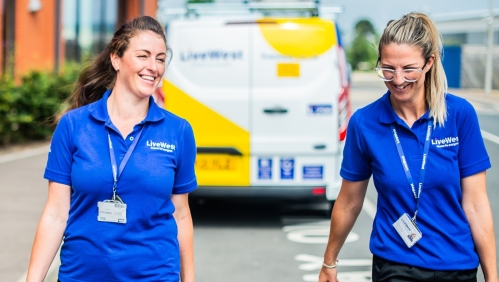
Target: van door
<point x="294" y="95"/>
<point x="207" y="83"/>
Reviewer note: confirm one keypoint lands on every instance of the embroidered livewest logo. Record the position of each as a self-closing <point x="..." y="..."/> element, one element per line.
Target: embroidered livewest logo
<point x="163" y="146"/>
<point x="445" y="142"/>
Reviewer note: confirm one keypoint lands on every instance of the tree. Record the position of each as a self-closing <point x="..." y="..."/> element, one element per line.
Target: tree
<point x="362" y="53"/>
<point x="364" y="27"/>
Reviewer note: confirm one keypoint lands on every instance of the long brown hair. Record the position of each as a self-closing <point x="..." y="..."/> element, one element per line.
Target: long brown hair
<point x="417" y="29"/>
<point x="100" y="76"/>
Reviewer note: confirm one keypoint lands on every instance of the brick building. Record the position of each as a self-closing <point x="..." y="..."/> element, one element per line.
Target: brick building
<point x="43" y="34"/>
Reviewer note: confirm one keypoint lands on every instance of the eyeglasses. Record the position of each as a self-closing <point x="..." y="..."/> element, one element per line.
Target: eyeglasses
<point x="409" y="75"/>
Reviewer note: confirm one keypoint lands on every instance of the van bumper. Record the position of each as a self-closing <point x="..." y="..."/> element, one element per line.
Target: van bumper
<point x="310" y="193"/>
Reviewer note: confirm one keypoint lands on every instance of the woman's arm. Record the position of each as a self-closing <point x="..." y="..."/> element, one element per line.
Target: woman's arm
<point x="183" y="218"/>
<point x="50" y="231"/>
<point x="476" y="206"/>
<point x="345" y="212"/>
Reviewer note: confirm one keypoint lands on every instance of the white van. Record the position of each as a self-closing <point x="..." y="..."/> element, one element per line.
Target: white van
<point x="268" y="99"/>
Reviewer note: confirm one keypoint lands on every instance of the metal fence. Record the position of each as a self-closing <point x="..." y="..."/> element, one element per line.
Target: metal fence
<point x="473" y="66"/>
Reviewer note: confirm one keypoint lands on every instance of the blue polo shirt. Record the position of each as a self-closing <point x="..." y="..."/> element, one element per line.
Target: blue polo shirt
<point x="456" y="151"/>
<point x="162" y="164"/>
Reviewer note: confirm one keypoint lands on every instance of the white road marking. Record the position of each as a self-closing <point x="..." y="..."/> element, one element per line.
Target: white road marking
<point x="357" y="276"/>
<point x="491" y="137"/>
<point x="315" y="262"/>
<point x="318" y="233"/>
<point x="316" y="236"/>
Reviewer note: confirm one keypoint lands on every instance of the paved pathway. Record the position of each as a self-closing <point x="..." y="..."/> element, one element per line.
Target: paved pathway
<point x="23" y="193"/>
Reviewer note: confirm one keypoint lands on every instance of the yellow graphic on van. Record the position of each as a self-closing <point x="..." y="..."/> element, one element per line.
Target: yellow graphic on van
<point x="212" y="131"/>
<point x="301" y="38"/>
<point x="288" y="70"/>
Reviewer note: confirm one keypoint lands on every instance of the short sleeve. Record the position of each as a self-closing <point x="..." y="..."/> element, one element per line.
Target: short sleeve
<point x="185" y="177"/>
<point x="60" y="156"/>
<point x="472" y="156"/>
<point x="355" y="165"/>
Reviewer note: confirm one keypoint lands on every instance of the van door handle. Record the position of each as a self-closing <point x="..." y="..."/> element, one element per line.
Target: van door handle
<point x="277" y="110"/>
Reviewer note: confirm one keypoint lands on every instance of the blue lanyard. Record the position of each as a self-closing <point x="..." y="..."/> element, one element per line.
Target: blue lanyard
<point x="116" y="172"/>
<point x="406" y="166"/>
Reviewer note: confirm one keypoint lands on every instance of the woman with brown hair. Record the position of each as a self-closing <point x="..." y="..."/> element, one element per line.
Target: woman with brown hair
<point x="120" y="169"/>
<point x="425" y="153"/>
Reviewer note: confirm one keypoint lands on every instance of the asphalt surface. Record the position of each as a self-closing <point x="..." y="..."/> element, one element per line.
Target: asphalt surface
<point x="23" y="193"/>
<point x="234" y="240"/>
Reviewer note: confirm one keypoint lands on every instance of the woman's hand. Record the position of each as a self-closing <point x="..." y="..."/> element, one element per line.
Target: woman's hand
<point x="328" y="275"/>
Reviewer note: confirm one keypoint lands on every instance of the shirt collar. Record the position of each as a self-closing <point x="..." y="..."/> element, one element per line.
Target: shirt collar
<point x="387" y="114"/>
<point x="99" y="109"/>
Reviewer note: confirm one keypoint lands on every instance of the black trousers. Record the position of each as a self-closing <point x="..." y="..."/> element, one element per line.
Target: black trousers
<point x="388" y="271"/>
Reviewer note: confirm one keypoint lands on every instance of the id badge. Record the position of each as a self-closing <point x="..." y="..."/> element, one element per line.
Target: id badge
<point x="408" y="230"/>
<point x="110" y="211"/>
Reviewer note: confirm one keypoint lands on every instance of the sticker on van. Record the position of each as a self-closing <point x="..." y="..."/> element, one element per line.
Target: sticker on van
<point x="287" y="168"/>
<point x="313" y="172"/>
<point x="265" y="168"/>
<point x="325" y="110"/>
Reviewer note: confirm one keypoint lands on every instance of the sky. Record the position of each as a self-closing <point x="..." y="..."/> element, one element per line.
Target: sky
<point x="379" y="12"/>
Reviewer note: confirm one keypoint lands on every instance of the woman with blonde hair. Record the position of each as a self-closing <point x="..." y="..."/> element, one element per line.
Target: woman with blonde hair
<point x="424" y="151"/>
<point x="119" y="169"/>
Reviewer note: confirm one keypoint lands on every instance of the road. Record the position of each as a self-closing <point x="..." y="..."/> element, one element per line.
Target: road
<point x="234" y="240"/>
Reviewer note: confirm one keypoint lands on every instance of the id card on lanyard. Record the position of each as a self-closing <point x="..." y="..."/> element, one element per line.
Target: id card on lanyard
<point x="114" y="210"/>
<point x="406" y="226"/>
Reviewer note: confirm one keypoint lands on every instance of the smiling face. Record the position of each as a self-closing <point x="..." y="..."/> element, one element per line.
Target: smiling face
<point x="141" y="68"/>
<point x="403" y="56"/>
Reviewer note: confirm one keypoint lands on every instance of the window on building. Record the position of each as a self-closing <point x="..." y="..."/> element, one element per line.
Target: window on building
<point x="452" y="39"/>
<point x="476" y="38"/>
<point x="88" y="25"/>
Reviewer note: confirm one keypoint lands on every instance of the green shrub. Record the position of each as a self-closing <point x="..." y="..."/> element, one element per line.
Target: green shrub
<point x="27" y="109"/>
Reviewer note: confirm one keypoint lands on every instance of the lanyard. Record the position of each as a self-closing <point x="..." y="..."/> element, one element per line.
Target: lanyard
<point x="406" y="166"/>
<point x="116" y="172"/>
